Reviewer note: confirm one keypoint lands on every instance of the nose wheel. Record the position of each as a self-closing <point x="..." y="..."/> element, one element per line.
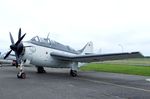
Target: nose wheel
<point x="21" y="75"/>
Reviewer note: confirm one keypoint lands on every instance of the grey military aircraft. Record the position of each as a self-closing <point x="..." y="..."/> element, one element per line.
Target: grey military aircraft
<point x="44" y="52"/>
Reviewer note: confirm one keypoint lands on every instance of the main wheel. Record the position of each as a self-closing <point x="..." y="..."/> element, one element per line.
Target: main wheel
<point x="73" y="73"/>
<point x="41" y="70"/>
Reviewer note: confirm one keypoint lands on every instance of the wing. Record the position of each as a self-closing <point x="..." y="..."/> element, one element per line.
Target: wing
<point x="95" y="57"/>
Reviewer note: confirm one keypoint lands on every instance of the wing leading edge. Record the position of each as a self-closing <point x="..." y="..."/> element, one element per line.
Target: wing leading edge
<point x="95" y="57"/>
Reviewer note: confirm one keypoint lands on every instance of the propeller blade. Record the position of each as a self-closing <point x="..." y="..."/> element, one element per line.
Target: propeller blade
<point x="19" y="34"/>
<point x="11" y="38"/>
<point x="7" y="54"/>
<point x="20" y="39"/>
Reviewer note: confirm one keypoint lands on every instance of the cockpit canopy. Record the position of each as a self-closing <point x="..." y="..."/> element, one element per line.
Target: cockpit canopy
<point x="38" y="39"/>
<point x="46" y="42"/>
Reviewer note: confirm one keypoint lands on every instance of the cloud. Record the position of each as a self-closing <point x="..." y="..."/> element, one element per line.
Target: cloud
<point x="105" y="22"/>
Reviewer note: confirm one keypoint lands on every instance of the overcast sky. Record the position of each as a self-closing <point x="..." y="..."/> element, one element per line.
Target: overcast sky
<point x="112" y="25"/>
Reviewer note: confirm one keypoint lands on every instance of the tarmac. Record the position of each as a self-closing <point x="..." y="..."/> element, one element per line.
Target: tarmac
<point x="58" y="84"/>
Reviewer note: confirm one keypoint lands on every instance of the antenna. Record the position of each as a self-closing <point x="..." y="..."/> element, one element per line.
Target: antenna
<point x="48" y="35"/>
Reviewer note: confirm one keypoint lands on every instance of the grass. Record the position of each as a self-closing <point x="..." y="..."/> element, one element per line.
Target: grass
<point x="117" y="68"/>
<point x="136" y="61"/>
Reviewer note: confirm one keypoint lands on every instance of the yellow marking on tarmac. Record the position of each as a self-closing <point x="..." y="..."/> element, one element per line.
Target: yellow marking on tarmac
<point x="123" y="86"/>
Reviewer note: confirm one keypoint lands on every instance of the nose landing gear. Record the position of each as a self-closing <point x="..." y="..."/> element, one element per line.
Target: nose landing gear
<point x="21" y="75"/>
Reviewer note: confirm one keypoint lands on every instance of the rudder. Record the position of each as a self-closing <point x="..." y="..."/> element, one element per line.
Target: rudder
<point x="87" y="49"/>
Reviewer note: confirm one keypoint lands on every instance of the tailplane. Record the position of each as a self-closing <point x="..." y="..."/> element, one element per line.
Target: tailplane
<point x="87" y="49"/>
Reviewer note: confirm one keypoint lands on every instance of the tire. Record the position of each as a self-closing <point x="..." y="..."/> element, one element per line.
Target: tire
<point x="73" y="73"/>
<point x="22" y="76"/>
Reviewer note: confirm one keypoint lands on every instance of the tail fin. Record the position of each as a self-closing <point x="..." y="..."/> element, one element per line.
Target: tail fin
<point x="87" y="49"/>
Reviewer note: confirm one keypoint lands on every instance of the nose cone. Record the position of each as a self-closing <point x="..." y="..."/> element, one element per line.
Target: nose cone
<point x="13" y="47"/>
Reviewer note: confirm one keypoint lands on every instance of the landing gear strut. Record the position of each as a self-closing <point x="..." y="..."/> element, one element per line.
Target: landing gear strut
<point x="73" y="73"/>
<point x="21" y="74"/>
<point x="40" y="69"/>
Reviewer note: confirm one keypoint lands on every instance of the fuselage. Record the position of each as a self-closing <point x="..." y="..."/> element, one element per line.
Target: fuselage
<point x="38" y="53"/>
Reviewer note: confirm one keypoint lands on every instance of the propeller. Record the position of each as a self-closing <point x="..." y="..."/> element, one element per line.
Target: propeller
<point x="16" y="47"/>
<point x="7" y="54"/>
<point x="19" y="34"/>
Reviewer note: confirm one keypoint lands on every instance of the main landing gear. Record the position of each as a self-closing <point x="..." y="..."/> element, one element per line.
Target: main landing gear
<point x="40" y="69"/>
<point x="73" y="73"/>
<point x="74" y="68"/>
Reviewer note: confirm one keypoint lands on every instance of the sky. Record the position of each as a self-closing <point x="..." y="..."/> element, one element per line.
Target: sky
<point x="112" y="25"/>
